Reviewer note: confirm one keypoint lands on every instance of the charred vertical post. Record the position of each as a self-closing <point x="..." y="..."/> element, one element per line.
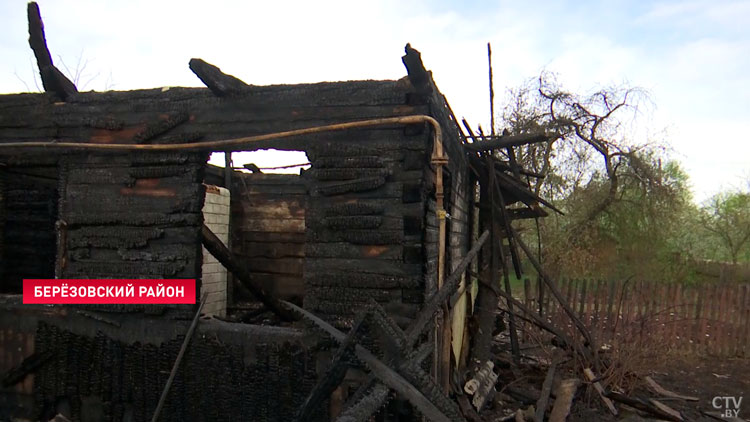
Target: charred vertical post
<point x="486" y="302"/>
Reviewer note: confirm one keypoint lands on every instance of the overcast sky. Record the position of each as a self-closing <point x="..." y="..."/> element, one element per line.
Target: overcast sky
<point x="692" y="56"/>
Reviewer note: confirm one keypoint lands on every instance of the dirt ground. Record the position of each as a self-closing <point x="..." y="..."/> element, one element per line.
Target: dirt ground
<point x="707" y="378"/>
<point x="720" y="384"/>
<point x="703" y="377"/>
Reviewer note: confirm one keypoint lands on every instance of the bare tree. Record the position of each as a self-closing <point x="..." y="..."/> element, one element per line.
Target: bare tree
<point x="599" y="168"/>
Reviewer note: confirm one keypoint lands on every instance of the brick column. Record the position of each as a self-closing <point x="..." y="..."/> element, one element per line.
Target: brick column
<point x="216" y="217"/>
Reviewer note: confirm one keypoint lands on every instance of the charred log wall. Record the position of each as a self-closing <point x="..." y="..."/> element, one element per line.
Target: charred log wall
<point x="216" y="381"/>
<point x="28" y="212"/>
<point x="184" y="115"/>
<point x="189" y="114"/>
<point x="268" y="215"/>
<point x="131" y="216"/>
<point x="116" y="370"/>
<point x="364" y="223"/>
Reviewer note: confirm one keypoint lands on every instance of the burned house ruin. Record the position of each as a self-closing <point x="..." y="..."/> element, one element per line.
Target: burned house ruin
<point x="386" y="222"/>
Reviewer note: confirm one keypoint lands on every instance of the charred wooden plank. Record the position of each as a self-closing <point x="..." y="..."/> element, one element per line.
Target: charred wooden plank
<point x="28" y="366"/>
<point x="366" y="161"/>
<point x="356" y="185"/>
<point x="217" y="81"/>
<point x="348" y="250"/>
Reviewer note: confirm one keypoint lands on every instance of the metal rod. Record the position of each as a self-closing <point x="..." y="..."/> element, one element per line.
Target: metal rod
<point x="177" y="361"/>
<point x="236" y="144"/>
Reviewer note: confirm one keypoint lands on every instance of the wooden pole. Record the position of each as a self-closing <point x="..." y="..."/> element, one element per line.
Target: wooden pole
<point x="492" y="92"/>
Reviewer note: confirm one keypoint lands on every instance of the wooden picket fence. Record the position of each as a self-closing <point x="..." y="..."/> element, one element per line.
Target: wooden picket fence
<point x="702" y="319"/>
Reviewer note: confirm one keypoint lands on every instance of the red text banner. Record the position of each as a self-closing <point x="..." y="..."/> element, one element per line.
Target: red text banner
<point x="109" y="291"/>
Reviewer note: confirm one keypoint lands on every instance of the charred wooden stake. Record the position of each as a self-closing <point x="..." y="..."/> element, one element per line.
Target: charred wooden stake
<point x="224" y="256"/>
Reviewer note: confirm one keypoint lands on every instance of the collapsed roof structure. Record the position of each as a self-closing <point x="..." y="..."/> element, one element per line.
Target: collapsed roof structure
<point x="393" y="243"/>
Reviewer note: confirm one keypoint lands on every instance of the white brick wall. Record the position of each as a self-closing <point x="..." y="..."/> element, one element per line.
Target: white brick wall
<point x="214" y="281"/>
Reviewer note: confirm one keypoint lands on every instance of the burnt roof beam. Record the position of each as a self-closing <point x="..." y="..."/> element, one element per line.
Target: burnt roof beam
<point x="488" y="143"/>
<point x="221" y="84"/>
<point x="53" y="79"/>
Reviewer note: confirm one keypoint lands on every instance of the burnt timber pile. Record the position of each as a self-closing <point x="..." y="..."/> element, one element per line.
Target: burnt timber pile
<point x="368" y="285"/>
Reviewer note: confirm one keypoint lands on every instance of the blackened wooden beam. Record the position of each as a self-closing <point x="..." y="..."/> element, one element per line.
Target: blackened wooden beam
<point x="217" y="81"/>
<point x="52" y="79"/>
<point x="28" y="366"/>
<point x="504" y="141"/>
<point x="224" y="256"/>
